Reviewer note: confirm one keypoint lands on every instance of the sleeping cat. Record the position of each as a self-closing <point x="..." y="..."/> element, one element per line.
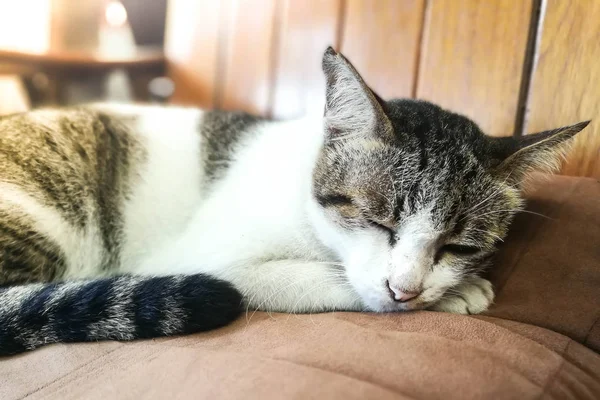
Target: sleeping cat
<point x="125" y="222"/>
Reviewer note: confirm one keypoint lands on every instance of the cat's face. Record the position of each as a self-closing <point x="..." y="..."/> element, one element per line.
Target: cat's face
<point x="414" y="213"/>
<point x="411" y="197"/>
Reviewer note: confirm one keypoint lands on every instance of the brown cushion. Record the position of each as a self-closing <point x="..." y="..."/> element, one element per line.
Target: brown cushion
<point x="535" y="343"/>
<point x="548" y="273"/>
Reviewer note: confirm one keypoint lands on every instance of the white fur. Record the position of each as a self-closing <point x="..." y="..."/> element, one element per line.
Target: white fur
<point x="371" y="262"/>
<point x="168" y="189"/>
<point x="413" y="259"/>
<point x="258" y="227"/>
<point x="252" y="228"/>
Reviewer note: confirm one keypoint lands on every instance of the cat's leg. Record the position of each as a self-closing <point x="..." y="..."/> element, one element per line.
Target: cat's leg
<point x="295" y="286"/>
<point x="473" y="296"/>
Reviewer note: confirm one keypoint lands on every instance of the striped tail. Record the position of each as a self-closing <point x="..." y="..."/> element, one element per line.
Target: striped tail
<point x="117" y="308"/>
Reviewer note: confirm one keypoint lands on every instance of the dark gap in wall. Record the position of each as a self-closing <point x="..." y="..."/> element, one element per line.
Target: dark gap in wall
<point x="147" y="20"/>
<point x="421" y="40"/>
<point x="531" y="52"/>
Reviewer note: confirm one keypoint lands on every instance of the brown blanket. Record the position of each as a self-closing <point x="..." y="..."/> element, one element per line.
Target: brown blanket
<point x="538" y="341"/>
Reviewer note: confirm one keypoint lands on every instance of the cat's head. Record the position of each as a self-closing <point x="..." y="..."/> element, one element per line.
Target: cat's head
<point x="414" y="198"/>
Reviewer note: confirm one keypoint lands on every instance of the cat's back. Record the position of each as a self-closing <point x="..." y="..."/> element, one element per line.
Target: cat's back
<point x="63" y="174"/>
<point x="87" y="189"/>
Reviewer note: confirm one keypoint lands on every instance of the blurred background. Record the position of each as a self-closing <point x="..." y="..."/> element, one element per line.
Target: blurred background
<point x="514" y="66"/>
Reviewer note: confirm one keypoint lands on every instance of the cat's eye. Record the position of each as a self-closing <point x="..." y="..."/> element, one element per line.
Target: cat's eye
<point x="334" y="200"/>
<point x="457" y="250"/>
<point x="393" y="234"/>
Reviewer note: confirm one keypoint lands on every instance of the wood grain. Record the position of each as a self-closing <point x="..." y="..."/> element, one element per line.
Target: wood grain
<point x="565" y="85"/>
<point x="472" y="59"/>
<point x="307" y="27"/>
<point x="381" y="38"/>
<point x="191" y="47"/>
<point x="247" y="69"/>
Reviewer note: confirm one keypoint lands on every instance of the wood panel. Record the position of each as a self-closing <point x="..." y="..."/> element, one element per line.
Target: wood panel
<point x="472" y="59"/>
<point x="307" y="27"/>
<point x="565" y="87"/>
<point x="191" y="47"/>
<point x="247" y="68"/>
<point x="381" y="38"/>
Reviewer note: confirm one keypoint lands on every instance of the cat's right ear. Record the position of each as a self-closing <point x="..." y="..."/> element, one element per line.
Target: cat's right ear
<point x="351" y="108"/>
<point x="516" y="158"/>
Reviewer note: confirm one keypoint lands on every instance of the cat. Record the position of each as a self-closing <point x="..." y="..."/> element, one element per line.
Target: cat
<point x="126" y="221"/>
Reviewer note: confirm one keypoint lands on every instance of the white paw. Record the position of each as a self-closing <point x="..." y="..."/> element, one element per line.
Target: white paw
<point x="473" y="296"/>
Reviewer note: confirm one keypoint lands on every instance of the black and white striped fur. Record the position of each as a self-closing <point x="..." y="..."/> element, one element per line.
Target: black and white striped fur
<point x="117" y="308"/>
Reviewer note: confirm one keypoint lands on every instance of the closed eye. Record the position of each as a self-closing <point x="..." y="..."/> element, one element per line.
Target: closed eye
<point x="458" y="250"/>
<point x="390" y="231"/>
<point x="334" y="200"/>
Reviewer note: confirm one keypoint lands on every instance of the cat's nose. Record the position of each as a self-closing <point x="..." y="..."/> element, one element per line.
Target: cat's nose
<point x="401" y="295"/>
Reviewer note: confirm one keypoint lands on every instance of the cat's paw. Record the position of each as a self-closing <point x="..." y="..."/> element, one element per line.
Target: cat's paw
<point x="473" y="296"/>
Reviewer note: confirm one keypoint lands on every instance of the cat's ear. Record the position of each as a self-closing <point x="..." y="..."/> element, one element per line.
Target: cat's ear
<point x="351" y="108"/>
<point x="517" y="157"/>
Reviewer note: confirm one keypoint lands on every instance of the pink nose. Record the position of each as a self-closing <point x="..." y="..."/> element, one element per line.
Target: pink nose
<point x="401" y="295"/>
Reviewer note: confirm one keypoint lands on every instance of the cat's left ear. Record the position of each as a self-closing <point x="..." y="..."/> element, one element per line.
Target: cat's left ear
<point x="351" y="108"/>
<point x="517" y="157"/>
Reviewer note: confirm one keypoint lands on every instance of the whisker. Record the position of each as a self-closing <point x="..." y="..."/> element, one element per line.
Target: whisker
<point x="334" y="276"/>
<point x="514" y="211"/>
<point x="317" y="287"/>
<point x="289" y="282"/>
<point x="272" y="273"/>
<point x="536" y="213"/>
<point x="337" y="264"/>
<point x="346" y="137"/>
<point x="328" y="280"/>
<point x="480" y="205"/>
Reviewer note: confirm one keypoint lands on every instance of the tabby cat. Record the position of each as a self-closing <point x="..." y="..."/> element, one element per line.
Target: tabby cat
<point x="123" y="222"/>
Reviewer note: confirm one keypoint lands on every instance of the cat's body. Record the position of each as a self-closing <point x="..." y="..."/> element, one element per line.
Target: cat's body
<point x="176" y="212"/>
<point x="387" y="206"/>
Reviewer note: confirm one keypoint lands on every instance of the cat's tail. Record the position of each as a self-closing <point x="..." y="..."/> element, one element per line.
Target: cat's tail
<point x="117" y="308"/>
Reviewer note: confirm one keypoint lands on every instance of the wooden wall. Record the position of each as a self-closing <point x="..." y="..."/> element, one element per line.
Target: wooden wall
<point x="514" y="66"/>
